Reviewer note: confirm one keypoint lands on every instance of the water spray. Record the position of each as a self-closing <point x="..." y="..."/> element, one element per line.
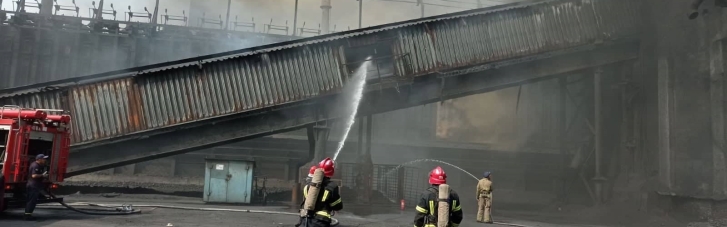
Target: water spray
<point x="428" y="160"/>
<point x="359" y="81"/>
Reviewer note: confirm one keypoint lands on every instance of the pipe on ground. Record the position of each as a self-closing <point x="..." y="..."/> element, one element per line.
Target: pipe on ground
<point x="334" y="222"/>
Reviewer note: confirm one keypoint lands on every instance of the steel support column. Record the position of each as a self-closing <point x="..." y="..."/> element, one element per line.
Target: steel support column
<point x="368" y="170"/>
<point x="359" y="172"/>
<point x="598" y="121"/>
<point x="716" y="89"/>
<point x="562" y="124"/>
<point x="322" y="131"/>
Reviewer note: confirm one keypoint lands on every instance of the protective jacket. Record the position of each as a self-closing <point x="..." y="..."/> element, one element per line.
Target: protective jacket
<point x="484" y="188"/>
<point x="329" y="200"/>
<point x="428" y="205"/>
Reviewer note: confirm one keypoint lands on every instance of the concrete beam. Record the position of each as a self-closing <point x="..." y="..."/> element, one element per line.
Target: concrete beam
<point x="422" y="90"/>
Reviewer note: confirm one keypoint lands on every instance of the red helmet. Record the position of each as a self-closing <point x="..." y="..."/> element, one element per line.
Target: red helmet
<point x="312" y="171"/>
<point x="437" y="176"/>
<point x="327" y="166"/>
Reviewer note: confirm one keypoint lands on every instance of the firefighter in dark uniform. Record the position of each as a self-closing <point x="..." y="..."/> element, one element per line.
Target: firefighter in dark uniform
<point x="427" y="206"/>
<point x="329" y="199"/>
<point x="37" y="173"/>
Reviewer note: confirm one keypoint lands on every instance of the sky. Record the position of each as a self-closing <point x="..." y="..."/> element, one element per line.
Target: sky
<point x="344" y="13"/>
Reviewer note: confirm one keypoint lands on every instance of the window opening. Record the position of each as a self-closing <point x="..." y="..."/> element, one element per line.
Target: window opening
<point x="4" y="135"/>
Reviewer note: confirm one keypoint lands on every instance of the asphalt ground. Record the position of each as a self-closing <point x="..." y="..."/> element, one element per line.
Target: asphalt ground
<point x="54" y="215"/>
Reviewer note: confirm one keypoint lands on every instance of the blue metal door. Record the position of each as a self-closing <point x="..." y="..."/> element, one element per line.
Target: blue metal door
<point x="217" y="176"/>
<point x="240" y="184"/>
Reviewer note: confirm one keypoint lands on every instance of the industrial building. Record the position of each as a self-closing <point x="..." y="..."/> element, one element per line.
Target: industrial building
<point x="568" y="101"/>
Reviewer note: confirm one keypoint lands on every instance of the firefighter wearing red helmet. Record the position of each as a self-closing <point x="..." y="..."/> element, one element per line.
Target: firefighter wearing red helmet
<point x="329" y="198"/>
<point x="426" y="215"/>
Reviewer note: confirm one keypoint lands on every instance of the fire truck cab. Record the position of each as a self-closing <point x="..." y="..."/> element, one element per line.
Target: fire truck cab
<point x="25" y="133"/>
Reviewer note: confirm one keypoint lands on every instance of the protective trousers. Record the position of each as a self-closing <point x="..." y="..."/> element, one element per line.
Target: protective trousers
<point x="313" y="222"/>
<point x="32" y="199"/>
<point x="484" y="205"/>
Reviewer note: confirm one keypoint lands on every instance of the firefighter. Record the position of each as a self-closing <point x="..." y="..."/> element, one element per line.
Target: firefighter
<point x="484" y="199"/>
<point x="329" y="199"/>
<point x="427" y="207"/>
<point x="35" y="184"/>
<point x="307" y="182"/>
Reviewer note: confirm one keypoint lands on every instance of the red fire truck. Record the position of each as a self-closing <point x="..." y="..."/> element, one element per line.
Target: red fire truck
<point x="25" y="133"/>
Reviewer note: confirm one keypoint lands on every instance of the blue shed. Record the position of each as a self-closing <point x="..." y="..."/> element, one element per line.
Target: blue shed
<point x="228" y="181"/>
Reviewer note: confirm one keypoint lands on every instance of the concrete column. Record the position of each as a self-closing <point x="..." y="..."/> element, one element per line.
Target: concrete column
<point x="321" y="132"/>
<point x="325" y="21"/>
<point x="598" y="178"/>
<point x="173" y="166"/>
<point x="562" y="124"/>
<point x="716" y="89"/>
<point x="665" y="93"/>
<point x="46" y="7"/>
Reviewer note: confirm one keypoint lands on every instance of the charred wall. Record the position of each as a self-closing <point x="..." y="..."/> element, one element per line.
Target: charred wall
<point x="682" y="66"/>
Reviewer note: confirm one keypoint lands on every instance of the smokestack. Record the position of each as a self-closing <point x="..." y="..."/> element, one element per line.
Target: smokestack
<point x="227" y="18"/>
<point x="99" y="14"/>
<point x="156" y="11"/>
<point x="46" y="7"/>
<point x="326" y="6"/>
<point x="695" y="9"/>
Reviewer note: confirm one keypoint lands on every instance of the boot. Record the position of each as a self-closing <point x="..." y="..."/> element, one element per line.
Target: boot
<point x="28" y="217"/>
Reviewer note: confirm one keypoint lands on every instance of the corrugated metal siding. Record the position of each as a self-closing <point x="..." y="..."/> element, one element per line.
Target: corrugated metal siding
<point x="516" y="32"/>
<point x="118" y="107"/>
<point x="245" y="80"/>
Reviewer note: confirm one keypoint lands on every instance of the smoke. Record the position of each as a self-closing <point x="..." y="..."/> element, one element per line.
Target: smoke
<point x="487" y="118"/>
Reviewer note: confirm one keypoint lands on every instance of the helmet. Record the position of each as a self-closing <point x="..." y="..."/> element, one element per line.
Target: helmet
<point x="487" y="174"/>
<point x="327" y="166"/>
<point x="312" y="171"/>
<point x="437" y="176"/>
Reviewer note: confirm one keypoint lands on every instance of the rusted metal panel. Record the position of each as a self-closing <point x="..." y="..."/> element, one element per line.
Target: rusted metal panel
<point x="200" y="88"/>
<point x="150" y="101"/>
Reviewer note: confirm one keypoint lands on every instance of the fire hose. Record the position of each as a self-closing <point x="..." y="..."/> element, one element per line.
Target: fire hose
<point x="120" y="210"/>
<point x="334" y="222"/>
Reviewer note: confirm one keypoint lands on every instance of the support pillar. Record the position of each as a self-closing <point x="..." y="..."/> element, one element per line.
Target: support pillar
<point x="364" y="174"/>
<point x="598" y="178"/>
<point x="302" y="167"/>
<point x="173" y="166"/>
<point x="562" y="125"/>
<point x="360" y="166"/>
<point x="368" y="163"/>
<point x="321" y="134"/>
